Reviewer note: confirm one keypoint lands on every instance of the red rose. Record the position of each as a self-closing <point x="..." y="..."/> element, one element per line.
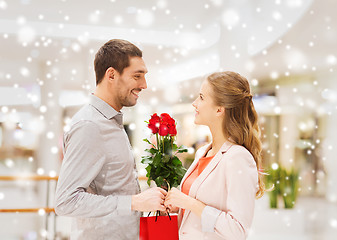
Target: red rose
<point x="173" y="130"/>
<point x="154" y="123"/>
<point x="163" y="124"/>
<point x="163" y="130"/>
<point x="165" y="117"/>
<point x="154" y="119"/>
<point x="169" y="122"/>
<point x="153" y="128"/>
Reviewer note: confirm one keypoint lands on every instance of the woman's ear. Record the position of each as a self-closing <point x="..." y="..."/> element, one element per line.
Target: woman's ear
<point x="220" y="111"/>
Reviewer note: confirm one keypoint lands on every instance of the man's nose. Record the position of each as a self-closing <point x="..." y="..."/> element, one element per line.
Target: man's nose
<point x="143" y="84"/>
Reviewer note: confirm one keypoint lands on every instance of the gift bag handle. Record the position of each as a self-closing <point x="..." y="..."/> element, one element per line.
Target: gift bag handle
<point x="158" y="213"/>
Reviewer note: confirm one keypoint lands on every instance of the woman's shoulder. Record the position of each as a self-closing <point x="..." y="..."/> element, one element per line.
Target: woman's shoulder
<point x="238" y="153"/>
<point x="238" y="149"/>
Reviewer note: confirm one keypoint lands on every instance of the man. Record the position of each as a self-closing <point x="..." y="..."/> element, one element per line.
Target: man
<point x="98" y="182"/>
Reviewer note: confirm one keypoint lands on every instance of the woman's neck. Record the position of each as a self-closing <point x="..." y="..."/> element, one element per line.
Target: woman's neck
<point x="218" y="139"/>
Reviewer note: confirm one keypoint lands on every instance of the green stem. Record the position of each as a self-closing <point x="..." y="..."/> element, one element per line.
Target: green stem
<point x="158" y="144"/>
<point x="163" y="139"/>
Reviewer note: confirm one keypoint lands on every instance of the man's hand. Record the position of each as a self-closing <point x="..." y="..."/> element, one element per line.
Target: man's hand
<point x="149" y="201"/>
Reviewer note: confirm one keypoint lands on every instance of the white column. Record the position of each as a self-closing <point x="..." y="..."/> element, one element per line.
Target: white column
<point x="288" y="139"/>
<point x="49" y="152"/>
<point x="49" y="149"/>
<point x="329" y="145"/>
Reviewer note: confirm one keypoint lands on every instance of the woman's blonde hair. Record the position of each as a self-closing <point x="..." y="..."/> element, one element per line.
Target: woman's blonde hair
<point x="232" y="91"/>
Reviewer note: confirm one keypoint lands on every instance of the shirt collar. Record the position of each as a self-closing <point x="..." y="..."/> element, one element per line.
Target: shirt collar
<point x="105" y="109"/>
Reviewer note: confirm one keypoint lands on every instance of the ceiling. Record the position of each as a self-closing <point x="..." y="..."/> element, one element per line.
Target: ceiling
<point x="181" y="40"/>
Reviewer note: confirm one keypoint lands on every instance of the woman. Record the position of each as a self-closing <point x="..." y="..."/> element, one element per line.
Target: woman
<point x="218" y="191"/>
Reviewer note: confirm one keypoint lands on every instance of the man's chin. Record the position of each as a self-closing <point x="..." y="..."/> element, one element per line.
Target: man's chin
<point x="130" y="104"/>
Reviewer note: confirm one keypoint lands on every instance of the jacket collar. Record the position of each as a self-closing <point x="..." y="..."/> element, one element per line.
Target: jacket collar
<point x="209" y="168"/>
<point x="202" y="151"/>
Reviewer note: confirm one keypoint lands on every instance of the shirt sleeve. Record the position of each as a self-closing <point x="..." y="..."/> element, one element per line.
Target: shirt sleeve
<point x="241" y="186"/>
<point x="82" y="162"/>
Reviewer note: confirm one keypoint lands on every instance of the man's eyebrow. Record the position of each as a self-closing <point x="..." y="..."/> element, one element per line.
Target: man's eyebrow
<point x="140" y="71"/>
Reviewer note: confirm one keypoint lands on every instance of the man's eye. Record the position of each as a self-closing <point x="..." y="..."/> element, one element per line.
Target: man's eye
<point x="137" y="76"/>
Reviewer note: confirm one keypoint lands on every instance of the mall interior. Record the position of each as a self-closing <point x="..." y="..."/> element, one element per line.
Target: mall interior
<point x="285" y="48"/>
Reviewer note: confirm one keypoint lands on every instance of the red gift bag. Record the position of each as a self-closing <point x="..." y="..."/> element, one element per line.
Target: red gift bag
<point x="159" y="227"/>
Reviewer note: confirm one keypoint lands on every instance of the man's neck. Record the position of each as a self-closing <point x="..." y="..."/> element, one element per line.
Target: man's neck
<point x="101" y="93"/>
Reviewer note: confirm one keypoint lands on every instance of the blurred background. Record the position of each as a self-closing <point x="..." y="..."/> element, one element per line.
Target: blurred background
<point x="286" y="48"/>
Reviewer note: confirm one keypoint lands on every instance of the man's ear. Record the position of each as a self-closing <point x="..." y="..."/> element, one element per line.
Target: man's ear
<point x="110" y="74"/>
<point x="220" y="111"/>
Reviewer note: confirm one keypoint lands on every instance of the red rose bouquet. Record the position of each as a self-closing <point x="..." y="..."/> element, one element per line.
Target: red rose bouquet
<point x="164" y="167"/>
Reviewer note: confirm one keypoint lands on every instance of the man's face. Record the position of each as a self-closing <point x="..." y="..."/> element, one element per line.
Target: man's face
<point x="130" y="83"/>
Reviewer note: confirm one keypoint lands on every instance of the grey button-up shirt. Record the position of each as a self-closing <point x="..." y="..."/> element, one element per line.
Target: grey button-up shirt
<point x="98" y="175"/>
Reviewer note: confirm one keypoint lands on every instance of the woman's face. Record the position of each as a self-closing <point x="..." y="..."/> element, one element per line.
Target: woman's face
<point x="204" y="106"/>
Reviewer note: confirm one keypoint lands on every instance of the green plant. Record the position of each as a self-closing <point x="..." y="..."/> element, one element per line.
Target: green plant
<point x="273" y="183"/>
<point x="283" y="184"/>
<point x="289" y="186"/>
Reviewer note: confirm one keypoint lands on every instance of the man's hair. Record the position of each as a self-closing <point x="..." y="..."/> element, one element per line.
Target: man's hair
<point x="115" y="53"/>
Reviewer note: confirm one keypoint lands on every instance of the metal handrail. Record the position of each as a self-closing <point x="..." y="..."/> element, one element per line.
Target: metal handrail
<point x="28" y="177"/>
<point x="40" y="178"/>
<point x="45" y="210"/>
<point x="27" y="210"/>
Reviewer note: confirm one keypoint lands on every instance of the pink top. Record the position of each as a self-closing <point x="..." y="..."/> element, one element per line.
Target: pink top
<point x="201" y="165"/>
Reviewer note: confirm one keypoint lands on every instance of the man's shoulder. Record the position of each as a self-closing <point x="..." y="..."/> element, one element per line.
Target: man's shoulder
<point x="83" y="123"/>
<point x="85" y="118"/>
<point x="87" y="113"/>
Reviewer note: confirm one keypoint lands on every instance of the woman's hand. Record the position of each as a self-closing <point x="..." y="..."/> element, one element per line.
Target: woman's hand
<point x="176" y="198"/>
<point x="172" y="209"/>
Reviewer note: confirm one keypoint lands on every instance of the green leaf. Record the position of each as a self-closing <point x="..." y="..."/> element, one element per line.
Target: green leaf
<point x="146" y="159"/>
<point x="149" y="181"/>
<point x="176" y="161"/>
<point x="157" y="159"/>
<point x="166" y="175"/>
<point x="158" y="170"/>
<point x="166" y="158"/>
<point x="152" y="150"/>
<point x="181" y="147"/>
<point x="182" y="150"/>
<point x="180" y="171"/>
<point x="159" y="181"/>
<point x="148" y="170"/>
<point x="146" y="140"/>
